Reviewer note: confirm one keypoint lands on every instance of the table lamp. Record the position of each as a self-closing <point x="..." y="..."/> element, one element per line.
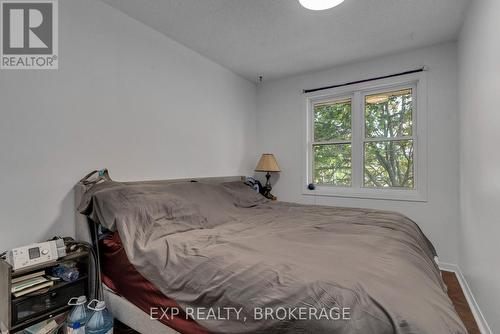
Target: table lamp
<point x="267" y="164"/>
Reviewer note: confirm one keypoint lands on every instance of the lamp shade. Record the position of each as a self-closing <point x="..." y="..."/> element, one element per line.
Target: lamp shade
<point x="267" y="163"/>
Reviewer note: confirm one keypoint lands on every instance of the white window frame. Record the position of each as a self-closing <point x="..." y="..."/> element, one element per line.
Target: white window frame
<point x="357" y="92"/>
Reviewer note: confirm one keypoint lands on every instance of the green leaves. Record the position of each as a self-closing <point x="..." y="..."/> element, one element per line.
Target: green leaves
<point x="332" y="160"/>
<point x="332" y="164"/>
<point x="332" y="121"/>
<point x="389" y="115"/>
<point x="389" y="164"/>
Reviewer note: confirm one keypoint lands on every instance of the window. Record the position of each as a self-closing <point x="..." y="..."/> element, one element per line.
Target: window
<point x="332" y="142"/>
<point x="364" y="142"/>
<point x="388" y="141"/>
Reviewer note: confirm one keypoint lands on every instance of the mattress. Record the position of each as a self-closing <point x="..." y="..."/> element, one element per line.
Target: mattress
<point x="120" y="276"/>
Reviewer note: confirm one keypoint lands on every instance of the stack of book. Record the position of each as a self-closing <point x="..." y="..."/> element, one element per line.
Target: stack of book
<point x="30" y="283"/>
<point x="44" y="327"/>
<point x="49" y="326"/>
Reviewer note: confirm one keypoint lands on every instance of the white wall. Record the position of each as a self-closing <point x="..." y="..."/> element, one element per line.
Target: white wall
<point x="125" y="97"/>
<point x="280" y="109"/>
<point x="479" y="59"/>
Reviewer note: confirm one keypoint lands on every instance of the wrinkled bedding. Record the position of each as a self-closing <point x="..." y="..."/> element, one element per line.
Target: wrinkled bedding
<point x="215" y="246"/>
<point x="119" y="275"/>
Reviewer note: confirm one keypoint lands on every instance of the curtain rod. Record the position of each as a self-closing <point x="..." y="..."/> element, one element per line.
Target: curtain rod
<point x="305" y="91"/>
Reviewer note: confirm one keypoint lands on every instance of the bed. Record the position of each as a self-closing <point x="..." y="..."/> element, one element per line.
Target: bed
<point x="217" y="245"/>
<point x="123" y="309"/>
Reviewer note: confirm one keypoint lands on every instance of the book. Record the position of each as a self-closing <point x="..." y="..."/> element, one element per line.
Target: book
<point x="25" y="277"/>
<point x="33" y="289"/>
<point x="44" y="327"/>
<point x="18" y="286"/>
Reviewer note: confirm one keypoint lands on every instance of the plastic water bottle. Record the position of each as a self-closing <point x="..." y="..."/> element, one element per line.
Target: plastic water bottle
<point x="75" y="324"/>
<point x="101" y="321"/>
<point x="68" y="274"/>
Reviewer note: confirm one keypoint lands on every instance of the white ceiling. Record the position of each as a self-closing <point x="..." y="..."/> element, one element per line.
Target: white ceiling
<point x="278" y="38"/>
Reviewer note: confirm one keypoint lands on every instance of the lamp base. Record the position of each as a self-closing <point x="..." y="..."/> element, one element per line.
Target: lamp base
<point x="268" y="188"/>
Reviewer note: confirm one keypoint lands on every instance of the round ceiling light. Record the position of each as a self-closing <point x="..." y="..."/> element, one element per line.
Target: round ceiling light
<point x="320" y="4"/>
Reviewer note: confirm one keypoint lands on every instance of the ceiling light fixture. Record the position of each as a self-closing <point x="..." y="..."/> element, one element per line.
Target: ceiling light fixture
<point x="320" y="4"/>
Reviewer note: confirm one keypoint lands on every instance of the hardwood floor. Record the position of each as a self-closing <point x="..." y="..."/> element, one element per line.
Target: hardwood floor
<point x="454" y="292"/>
<point x="460" y="302"/>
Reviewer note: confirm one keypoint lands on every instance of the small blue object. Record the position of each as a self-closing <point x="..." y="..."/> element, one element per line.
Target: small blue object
<point x="68" y="274"/>
<point x="311" y="186"/>
<point x="101" y="172"/>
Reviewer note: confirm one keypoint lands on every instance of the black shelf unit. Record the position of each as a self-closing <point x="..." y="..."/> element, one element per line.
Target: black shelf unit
<point x="19" y="313"/>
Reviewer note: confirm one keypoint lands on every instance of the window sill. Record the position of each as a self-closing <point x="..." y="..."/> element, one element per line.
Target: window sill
<point x="366" y="193"/>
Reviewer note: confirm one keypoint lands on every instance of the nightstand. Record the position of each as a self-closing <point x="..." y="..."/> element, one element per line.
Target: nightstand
<point x="19" y="313"/>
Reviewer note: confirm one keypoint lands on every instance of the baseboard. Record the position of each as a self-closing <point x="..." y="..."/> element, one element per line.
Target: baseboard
<point x="476" y="311"/>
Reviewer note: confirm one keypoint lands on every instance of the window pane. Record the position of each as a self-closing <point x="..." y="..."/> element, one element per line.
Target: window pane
<point x="332" y="120"/>
<point x="389" y="164"/>
<point x="332" y="164"/>
<point x="389" y="114"/>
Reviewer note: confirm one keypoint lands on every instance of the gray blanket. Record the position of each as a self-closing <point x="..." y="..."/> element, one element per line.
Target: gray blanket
<point x="222" y="246"/>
